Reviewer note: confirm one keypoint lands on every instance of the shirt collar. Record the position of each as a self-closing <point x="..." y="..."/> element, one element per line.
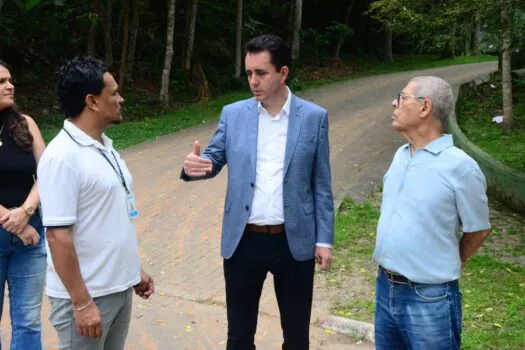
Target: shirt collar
<point x="285" y="111"/>
<point x="84" y="139"/>
<point x="438" y="145"/>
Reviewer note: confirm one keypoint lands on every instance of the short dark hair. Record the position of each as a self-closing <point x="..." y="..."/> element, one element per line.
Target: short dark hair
<point x="78" y="78"/>
<point x="280" y="54"/>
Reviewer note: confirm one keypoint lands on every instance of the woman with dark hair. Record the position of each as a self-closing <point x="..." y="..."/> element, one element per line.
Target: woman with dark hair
<point x="22" y="246"/>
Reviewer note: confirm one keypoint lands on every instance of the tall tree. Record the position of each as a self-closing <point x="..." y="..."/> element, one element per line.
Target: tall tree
<point x="388" y="56"/>
<point x="476" y="36"/>
<point x="94" y="20"/>
<point x="238" y="40"/>
<point x="296" y="41"/>
<point x="135" y="24"/>
<point x="168" y="56"/>
<point x="108" y="44"/>
<point x="191" y="34"/>
<point x="125" y="43"/>
<point x="342" y="37"/>
<point x="506" y="76"/>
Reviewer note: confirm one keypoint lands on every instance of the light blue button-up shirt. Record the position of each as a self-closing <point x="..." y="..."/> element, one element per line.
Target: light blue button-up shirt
<point x="427" y="198"/>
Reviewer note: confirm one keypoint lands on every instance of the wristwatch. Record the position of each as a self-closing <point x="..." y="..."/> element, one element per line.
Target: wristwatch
<point x="29" y="209"/>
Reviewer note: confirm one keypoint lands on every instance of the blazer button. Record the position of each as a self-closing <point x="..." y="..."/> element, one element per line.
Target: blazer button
<point x="247" y="207"/>
<point x="252" y="185"/>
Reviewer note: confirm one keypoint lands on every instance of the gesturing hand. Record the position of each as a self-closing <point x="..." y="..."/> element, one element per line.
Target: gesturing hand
<point x="194" y="165"/>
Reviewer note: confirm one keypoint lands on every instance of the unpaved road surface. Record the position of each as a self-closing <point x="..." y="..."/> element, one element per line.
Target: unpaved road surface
<point x="179" y="226"/>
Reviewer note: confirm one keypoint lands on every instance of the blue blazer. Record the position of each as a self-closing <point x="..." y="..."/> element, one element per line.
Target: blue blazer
<point x="307" y="189"/>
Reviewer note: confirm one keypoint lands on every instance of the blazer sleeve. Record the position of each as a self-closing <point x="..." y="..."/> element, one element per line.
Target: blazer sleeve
<point x="216" y="151"/>
<point x="322" y="188"/>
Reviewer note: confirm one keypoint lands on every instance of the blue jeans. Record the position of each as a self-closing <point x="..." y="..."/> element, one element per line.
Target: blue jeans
<point x="24" y="269"/>
<point x="417" y="316"/>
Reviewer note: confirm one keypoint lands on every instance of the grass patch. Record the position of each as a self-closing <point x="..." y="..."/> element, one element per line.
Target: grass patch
<point x="493" y="305"/>
<point x="493" y="292"/>
<point x="130" y="133"/>
<point x="145" y="120"/>
<point x="476" y="109"/>
<point x="357" y="309"/>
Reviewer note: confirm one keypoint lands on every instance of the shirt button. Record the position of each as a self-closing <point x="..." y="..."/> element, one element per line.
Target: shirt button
<point x="247" y="207"/>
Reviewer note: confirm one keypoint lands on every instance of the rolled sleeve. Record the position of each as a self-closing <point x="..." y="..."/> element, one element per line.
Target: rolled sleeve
<point x="472" y="201"/>
<point x="59" y="186"/>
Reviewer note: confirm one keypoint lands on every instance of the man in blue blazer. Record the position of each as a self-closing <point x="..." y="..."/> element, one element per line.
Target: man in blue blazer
<point x="278" y="212"/>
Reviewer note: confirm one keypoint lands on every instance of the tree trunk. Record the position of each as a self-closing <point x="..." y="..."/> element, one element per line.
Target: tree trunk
<point x="453" y="40"/>
<point x="199" y="81"/>
<point x="135" y="23"/>
<point x="506" y="76"/>
<point x="191" y="34"/>
<point x="290" y="22"/>
<point x="238" y="41"/>
<point x="125" y="42"/>
<point x="449" y="50"/>
<point x="92" y="36"/>
<point x="108" y="44"/>
<point x="1" y="4"/>
<point x="476" y="36"/>
<point x="467" y="49"/>
<point x="184" y="35"/>
<point x="388" y="57"/>
<point x="343" y="37"/>
<point x="296" y="41"/>
<point x="170" y="31"/>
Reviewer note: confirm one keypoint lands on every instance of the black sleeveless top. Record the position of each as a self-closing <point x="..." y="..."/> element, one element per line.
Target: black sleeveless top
<point x="17" y="169"/>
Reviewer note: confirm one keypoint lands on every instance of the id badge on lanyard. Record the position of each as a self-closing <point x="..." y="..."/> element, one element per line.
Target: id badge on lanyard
<point x="132" y="206"/>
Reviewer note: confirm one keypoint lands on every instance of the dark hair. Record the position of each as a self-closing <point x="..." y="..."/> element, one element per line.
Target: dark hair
<point x="280" y="54"/>
<point x="17" y="124"/>
<point x="78" y="78"/>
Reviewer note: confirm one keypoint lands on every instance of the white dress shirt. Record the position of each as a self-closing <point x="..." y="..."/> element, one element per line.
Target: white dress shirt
<point x="267" y="206"/>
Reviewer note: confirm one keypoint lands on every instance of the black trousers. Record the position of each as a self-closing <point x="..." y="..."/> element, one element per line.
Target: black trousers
<point x="245" y="273"/>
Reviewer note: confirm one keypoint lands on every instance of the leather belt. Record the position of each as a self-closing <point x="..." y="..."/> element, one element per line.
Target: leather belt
<point x="268" y="229"/>
<point x="394" y="277"/>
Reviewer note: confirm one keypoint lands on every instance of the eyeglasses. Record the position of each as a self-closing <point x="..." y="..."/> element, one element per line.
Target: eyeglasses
<point x="399" y="95"/>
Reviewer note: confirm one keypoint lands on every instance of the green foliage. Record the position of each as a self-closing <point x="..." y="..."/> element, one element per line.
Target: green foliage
<point x="475" y="113"/>
<point x="432" y="26"/>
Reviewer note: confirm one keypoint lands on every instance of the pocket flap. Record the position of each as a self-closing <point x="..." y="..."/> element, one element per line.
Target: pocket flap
<point x="308" y="208"/>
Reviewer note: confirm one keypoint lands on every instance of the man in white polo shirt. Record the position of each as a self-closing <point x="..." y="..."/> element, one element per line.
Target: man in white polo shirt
<point x="88" y="210"/>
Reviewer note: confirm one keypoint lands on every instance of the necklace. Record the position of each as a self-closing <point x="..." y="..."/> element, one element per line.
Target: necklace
<point x="1" y="130"/>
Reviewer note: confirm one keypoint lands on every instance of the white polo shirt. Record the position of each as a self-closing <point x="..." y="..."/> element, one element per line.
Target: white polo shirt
<point x="79" y="187"/>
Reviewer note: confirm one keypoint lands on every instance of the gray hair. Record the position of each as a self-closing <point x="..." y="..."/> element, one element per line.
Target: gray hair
<point x="439" y="92"/>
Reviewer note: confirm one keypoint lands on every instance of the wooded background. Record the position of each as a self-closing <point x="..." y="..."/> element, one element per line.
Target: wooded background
<point x="194" y="48"/>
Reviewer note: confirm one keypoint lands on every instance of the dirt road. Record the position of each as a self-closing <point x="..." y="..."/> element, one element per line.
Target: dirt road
<point x="179" y="227"/>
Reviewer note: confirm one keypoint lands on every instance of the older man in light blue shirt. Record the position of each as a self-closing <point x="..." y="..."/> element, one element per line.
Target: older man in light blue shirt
<point x="431" y="192"/>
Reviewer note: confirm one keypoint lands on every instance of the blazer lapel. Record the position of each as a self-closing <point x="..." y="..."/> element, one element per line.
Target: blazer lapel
<point x="252" y="130"/>
<point x="294" y="126"/>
